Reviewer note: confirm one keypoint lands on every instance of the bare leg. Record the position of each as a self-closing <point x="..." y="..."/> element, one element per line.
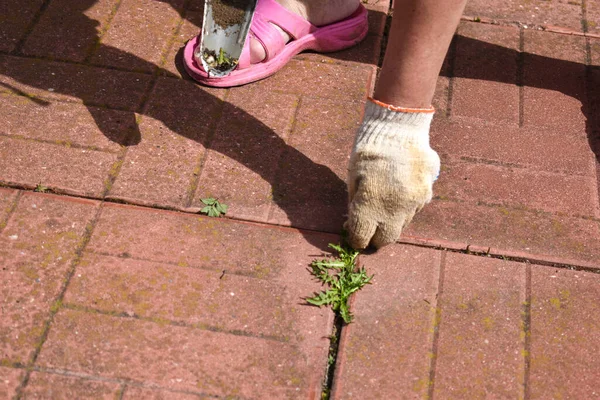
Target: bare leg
<point x="419" y="39"/>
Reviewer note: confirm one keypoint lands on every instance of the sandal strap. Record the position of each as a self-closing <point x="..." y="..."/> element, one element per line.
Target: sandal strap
<point x="267" y="14"/>
<point x="293" y="24"/>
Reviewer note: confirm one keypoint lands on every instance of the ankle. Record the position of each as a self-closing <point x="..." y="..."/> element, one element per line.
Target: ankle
<point x="321" y="12"/>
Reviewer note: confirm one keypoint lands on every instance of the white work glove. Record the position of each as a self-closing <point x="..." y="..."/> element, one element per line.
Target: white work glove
<point x="391" y="173"/>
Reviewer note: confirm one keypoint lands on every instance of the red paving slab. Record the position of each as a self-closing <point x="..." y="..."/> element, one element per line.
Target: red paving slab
<point x="386" y="352"/>
<point x="195" y="297"/>
<point x="553" y="76"/>
<point x="519" y="188"/>
<point x="311" y="191"/>
<point x="51" y="386"/>
<point x="565" y="333"/>
<point x="37" y="247"/>
<point x="485" y="68"/>
<point x="172" y="305"/>
<point x="10" y="379"/>
<point x="537" y="149"/>
<point x="190" y="28"/>
<point x="163" y="164"/>
<point x="562" y="13"/>
<point x="139" y="34"/>
<point x="73" y="82"/>
<point x="133" y="393"/>
<point x="68" y="29"/>
<point x="7" y="202"/>
<point x="181" y="358"/>
<point x="28" y="163"/>
<point x="67" y="123"/>
<point x="522" y="233"/>
<point x="350" y="82"/>
<point x="16" y="16"/>
<point x="480" y="350"/>
<point x="240" y="169"/>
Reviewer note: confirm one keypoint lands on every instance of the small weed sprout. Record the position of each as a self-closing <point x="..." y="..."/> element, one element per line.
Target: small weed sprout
<point x="213" y="208"/>
<point x="41" y="188"/>
<point x="343" y="279"/>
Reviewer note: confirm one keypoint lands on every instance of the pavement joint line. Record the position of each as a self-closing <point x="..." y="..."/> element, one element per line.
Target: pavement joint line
<point x="165" y="73"/>
<point x="159" y="320"/>
<point x="60" y="143"/>
<point x="277" y="177"/>
<point x="534" y="259"/>
<point x="96" y="45"/>
<point x="122" y="391"/>
<point x="584" y="22"/>
<point x="481" y="160"/>
<point x="57" y="304"/>
<point x="436" y="325"/>
<point x="451" y="71"/>
<point x="122" y="381"/>
<point x="332" y="355"/>
<point x="197" y="172"/>
<point x="34" y="21"/>
<point x="47" y="100"/>
<point x="529" y="26"/>
<point x="520" y="76"/>
<point x="11" y="210"/>
<point x="218" y="270"/>
<point x="526" y="315"/>
<point x="424" y="243"/>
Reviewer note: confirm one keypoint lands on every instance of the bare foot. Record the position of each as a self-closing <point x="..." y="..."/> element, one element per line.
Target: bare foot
<point x="317" y="12"/>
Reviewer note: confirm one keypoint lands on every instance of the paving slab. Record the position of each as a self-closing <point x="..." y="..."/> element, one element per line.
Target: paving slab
<point x="481" y="349"/>
<point x="7" y="203"/>
<point x="66" y="123"/>
<point x="214" y="300"/>
<point x="485" y="68"/>
<point x="190" y="28"/>
<point x="241" y="166"/>
<point x="182" y="358"/>
<point x="28" y="163"/>
<point x="133" y="393"/>
<point x="554" y="81"/>
<point x="139" y="35"/>
<point x="386" y="351"/>
<point x="510" y="231"/>
<point x="37" y="247"/>
<point x="311" y="191"/>
<point x="16" y="17"/>
<point x="563" y="13"/>
<point x="73" y="82"/>
<point x="68" y="29"/>
<point x="549" y="150"/>
<point x="163" y="163"/>
<point x="43" y="385"/>
<point x="564" y="334"/>
<point x="350" y="82"/>
<point x="515" y="187"/>
<point x="10" y="379"/>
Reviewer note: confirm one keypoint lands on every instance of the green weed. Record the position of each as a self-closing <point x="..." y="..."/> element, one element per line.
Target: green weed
<point x="213" y="208"/>
<point x="342" y="277"/>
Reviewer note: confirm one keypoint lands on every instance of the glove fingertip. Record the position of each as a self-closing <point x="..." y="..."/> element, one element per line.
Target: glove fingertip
<point x="359" y="232"/>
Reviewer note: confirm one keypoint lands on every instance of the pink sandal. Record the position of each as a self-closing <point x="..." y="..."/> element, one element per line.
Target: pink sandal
<point x="304" y="36"/>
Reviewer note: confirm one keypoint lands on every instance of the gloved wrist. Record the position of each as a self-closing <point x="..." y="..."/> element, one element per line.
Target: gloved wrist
<point x="387" y="127"/>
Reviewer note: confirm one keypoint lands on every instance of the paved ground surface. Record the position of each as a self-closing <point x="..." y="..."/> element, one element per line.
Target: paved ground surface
<point x="112" y="286"/>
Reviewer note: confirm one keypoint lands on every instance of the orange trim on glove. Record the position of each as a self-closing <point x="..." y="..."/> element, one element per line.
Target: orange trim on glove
<point x="402" y="109"/>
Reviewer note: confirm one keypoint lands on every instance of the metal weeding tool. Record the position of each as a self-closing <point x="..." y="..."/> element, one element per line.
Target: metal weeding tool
<point x="224" y="31"/>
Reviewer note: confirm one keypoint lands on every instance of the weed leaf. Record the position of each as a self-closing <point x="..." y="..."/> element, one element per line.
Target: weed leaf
<point x="343" y="279"/>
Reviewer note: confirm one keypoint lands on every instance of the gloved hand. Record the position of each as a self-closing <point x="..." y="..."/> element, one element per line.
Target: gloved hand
<point x="391" y="173"/>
